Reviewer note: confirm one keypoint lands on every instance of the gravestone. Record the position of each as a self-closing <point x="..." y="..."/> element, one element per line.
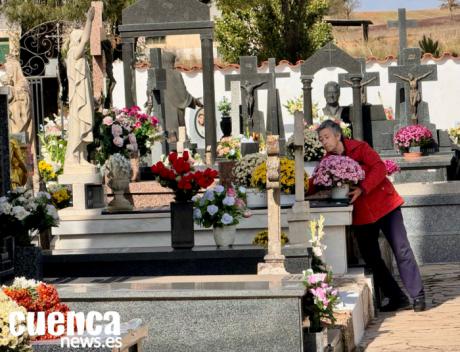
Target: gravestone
<point x="4" y="143"/>
<point x="411" y="74"/>
<point x="402" y="24"/>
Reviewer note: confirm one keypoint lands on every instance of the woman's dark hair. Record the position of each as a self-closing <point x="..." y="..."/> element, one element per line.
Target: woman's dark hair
<point x="334" y="126"/>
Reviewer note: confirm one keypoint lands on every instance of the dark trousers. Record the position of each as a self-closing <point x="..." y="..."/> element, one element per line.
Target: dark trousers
<point x="392" y="226"/>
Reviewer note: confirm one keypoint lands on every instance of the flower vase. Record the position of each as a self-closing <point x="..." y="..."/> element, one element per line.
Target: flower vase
<point x="224" y="236"/>
<point x="340" y="192"/>
<point x="118" y="178"/>
<point x="256" y="198"/>
<point x="410" y="156"/>
<point x="182" y="232"/>
<point x="226" y="125"/>
<point x="226" y="172"/>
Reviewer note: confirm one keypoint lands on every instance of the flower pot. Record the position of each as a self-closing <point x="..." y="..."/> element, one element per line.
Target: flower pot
<point x="224" y="236"/>
<point x="310" y="166"/>
<point x="287" y="199"/>
<point x="28" y="262"/>
<point x="412" y="156"/>
<point x="249" y="148"/>
<point x="226" y="125"/>
<point x="256" y="198"/>
<point x="315" y="341"/>
<point x="182" y="233"/>
<point x="340" y="192"/>
<point x="226" y="172"/>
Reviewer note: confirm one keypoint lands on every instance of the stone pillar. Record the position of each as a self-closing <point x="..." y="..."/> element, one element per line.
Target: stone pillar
<point x="299" y="216"/>
<point x="128" y="71"/>
<point x="307" y="101"/>
<point x="5" y="182"/>
<point x="207" y="55"/>
<point x="274" y="260"/>
<point x="357" y="122"/>
<point x="180" y="146"/>
<point x="97" y="35"/>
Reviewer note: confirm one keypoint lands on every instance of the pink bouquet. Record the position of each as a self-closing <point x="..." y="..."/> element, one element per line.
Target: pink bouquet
<point x="412" y="136"/>
<point x="336" y="170"/>
<point x="391" y="166"/>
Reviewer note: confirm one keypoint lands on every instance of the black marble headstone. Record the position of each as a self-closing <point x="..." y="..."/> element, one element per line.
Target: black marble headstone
<point x="378" y="131"/>
<point x="4" y="143"/>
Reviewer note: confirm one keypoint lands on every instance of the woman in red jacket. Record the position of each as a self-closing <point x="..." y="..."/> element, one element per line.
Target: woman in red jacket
<point x="377" y="206"/>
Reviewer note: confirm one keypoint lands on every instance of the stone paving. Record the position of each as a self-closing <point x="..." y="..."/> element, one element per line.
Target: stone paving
<point x="436" y="329"/>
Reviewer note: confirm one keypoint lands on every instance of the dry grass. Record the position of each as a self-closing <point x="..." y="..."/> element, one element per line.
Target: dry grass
<point x="384" y="41"/>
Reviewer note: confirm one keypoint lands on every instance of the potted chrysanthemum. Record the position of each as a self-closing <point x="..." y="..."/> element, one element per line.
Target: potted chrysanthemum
<point x="221" y="208"/>
<point x="410" y="139"/>
<point x="338" y="172"/>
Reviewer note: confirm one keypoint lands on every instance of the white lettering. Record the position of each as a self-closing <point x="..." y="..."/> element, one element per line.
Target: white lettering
<point x="92" y="328"/>
<point x="16" y="321"/>
<point x="113" y="327"/>
<point x="56" y="324"/>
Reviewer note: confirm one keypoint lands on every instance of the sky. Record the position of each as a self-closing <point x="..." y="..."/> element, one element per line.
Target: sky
<point x="379" y="5"/>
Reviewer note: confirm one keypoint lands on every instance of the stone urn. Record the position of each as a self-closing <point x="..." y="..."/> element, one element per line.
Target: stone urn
<point x="118" y="173"/>
<point x="224" y="236"/>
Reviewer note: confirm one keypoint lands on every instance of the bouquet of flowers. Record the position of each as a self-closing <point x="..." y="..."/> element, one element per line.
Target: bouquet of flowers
<point x="9" y="342"/>
<point x="21" y="212"/>
<point x="244" y="168"/>
<point x="181" y="177"/>
<point x="224" y="106"/>
<point x="412" y="136"/>
<point x="287" y="176"/>
<point x="147" y="129"/>
<point x="391" y="166"/>
<point x="219" y="207"/>
<point x="53" y="143"/>
<point x="296" y="104"/>
<point x="60" y="195"/>
<point x="454" y="134"/>
<point x="229" y="148"/>
<point x="337" y="170"/>
<point x="47" y="171"/>
<point x="36" y="296"/>
<point x="321" y="298"/>
<point x="313" y="149"/>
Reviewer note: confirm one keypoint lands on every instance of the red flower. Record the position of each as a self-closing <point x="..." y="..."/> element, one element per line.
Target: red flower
<point x="157" y="168"/>
<point x="172" y="157"/>
<point x="181" y="166"/>
<point x="185" y="155"/>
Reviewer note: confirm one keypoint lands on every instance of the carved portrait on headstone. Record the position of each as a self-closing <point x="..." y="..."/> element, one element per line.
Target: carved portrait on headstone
<point x="177" y="98"/>
<point x="81" y="110"/>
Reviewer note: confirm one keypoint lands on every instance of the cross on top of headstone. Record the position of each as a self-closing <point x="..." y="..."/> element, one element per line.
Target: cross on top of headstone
<point x="274" y="117"/>
<point x="402" y="23"/>
<point x="369" y="79"/>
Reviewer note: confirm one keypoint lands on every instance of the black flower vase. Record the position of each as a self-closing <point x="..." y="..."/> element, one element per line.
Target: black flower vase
<point x="182" y="234"/>
<point x="226" y="125"/>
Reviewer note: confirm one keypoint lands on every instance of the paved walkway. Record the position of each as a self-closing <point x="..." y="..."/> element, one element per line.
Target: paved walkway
<point x="436" y="329"/>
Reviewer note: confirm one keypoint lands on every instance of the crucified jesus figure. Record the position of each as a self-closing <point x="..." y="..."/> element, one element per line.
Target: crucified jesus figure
<point x="414" y="94"/>
<point x="363" y="86"/>
<point x="249" y="101"/>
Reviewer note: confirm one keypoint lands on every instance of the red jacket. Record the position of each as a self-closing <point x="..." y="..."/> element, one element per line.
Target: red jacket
<point x="379" y="197"/>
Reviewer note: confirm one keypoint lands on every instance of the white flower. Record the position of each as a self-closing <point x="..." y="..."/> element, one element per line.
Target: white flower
<point x="5" y="208"/>
<point x="43" y="195"/>
<point x="317" y="251"/>
<point x="22" y="282"/>
<point x="20" y="213"/>
<point x="51" y="210"/>
<point x="242" y="189"/>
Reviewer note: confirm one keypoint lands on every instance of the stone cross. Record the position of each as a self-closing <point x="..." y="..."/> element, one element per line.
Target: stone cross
<point x="97" y="36"/>
<point x="411" y="74"/>
<point x="369" y="79"/>
<point x="156" y="84"/>
<point x="182" y="140"/>
<point x="402" y="24"/>
<point x="235" y="111"/>
<point x="250" y="81"/>
<point x="4" y="143"/>
<point x="274" y="260"/>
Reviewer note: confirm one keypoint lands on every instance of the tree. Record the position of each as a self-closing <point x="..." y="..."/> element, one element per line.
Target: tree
<point x="451" y="5"/>
<point x="30" y="13"/>
<point x="284" y="29"/>
<point x="350" y="6"/>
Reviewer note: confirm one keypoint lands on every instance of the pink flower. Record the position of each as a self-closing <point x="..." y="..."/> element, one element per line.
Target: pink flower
<point x="337" y="170"/>
<point x="118" y="141"/>
<point x="391" y="166"/>
<point x="231" y="192"/>
<point x="316" y="278"/>
<point x="138" y="124"/>
<point x="412" y="136"/>
<point x="153" y="120"/>
<point x="108" y="121"/>
<point x="247" y="214"/>
<point x="117" y="130"/>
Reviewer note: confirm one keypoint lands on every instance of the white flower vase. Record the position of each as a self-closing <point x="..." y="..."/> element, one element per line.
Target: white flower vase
<point x="118" y="172"/>
<point x="256" y="198"/>
<point x="224" y="236"/>
<point x="340" y="192"/>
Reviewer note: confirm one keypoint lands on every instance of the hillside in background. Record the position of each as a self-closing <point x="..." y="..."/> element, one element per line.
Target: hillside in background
<point x="383" y="42"/>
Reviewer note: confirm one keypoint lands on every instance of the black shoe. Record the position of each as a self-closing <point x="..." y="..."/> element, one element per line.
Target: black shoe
<point x="419" y="304"/>
<point x="395" y="304"/>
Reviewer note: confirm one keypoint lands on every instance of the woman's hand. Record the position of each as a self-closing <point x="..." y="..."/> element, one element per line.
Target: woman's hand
<point x="354" y="193"/>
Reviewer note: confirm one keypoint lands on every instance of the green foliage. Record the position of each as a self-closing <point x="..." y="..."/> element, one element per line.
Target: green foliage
<point x="224" y="106"/>
<point x="290" y="30"/>
<point x="428" y="45"/>
<point x="261" y="239"/>
<point x="30" y="13"/>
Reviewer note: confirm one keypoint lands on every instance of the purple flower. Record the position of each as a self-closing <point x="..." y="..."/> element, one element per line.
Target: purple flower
<point x="212" y="209"/>
<point x="132" y="138"/>
<point x="227" y="219"/>
<point x="118" y="141"/>
<point x="228" y="201"/>
<point x="117" y="130"/>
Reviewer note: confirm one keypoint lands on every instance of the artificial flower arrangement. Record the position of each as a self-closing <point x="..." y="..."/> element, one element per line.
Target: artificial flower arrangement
<point x="287" y="176"/>
<point x="36" y="296"/>
<point x="391" y="166"/>
<point x="219" y="207"/>
<point x="336" y="171"/>
<point x="224" y="106"/>
<point x="412" y="136"/>
<point x="454" y="134"/>
<point x="229" y="148"/>
<point x="321" y="298"/>
<point x="296" y="105"/>
<point x="61" y="195"/>
<point x="21" y="212"/>
<point x="313" y="149"/>
<point x="53" y="143"/>
<point x="244" y="168"/>
<point x="10" y="342"/>
<point x="181" y="177"/>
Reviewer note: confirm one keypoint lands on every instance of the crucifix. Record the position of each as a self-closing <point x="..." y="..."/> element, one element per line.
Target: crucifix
<point x="402" y="24"/>
<point x="411" y="74"/>
<point x="370" y="79"/>
<point x="97" y="36"/>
